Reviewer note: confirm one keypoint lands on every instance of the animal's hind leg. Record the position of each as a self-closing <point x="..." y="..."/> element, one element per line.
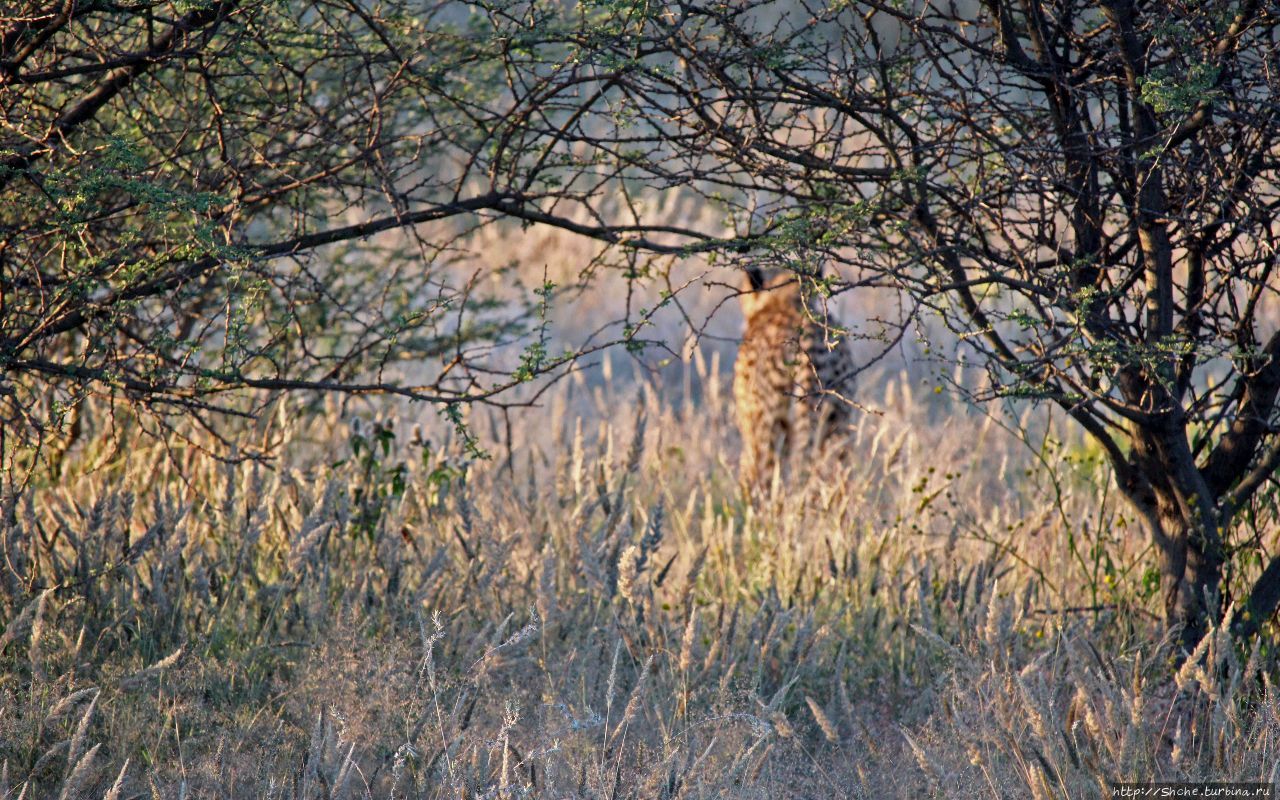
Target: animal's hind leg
<point x="762" y="453"/>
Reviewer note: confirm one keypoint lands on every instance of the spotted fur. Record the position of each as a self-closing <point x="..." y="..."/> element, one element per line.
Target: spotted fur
<point x="792" y="378"/>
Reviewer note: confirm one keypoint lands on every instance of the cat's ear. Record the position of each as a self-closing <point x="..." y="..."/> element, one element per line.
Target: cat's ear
<point x="754" y="279"/>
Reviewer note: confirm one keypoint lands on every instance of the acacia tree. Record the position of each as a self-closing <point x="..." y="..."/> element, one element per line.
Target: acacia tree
<point x="206" y="202"/>
<point x="1084" y="190"/>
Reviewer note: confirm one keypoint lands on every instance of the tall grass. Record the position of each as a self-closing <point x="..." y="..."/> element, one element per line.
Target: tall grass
<point x="598" y="612"/>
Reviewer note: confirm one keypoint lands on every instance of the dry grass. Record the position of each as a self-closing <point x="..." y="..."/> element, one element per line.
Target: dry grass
<point x="601" y="614"/>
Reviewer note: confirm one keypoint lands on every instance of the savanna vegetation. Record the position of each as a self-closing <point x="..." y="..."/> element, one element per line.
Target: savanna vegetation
<point x="364" y="428"/>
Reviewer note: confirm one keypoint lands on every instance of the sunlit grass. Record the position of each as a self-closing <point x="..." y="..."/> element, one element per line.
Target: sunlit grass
<point x="600" y="612"/>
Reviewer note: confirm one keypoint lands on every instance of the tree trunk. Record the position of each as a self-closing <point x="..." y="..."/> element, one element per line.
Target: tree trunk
<point x="1191" y="575"/>
<point x="1162" y="482"/>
